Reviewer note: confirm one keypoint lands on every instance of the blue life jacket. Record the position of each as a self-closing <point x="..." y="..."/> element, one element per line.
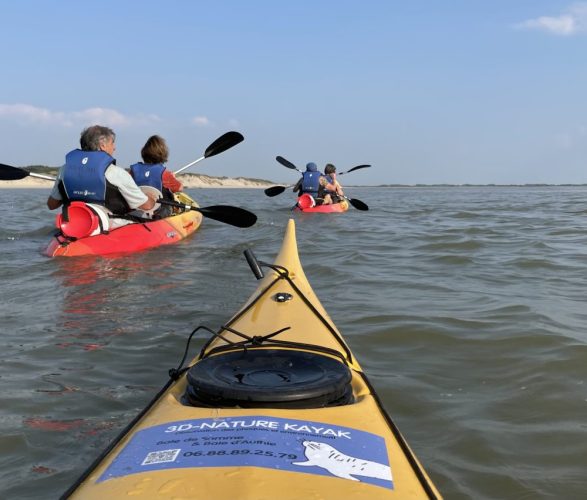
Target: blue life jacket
<point x="151" y="174"/>
<point x="84" y="179"/>
<point x="310" y="183"/>
<point x="146" y="174"/>
<point x="330" y="180"/>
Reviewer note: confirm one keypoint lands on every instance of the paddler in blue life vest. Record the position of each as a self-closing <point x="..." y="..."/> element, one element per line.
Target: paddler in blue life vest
<point x="309" y="183"/>
<point x="330" y="190"/>
<point x="90" y="175"/>
<point x="151" y="172"/>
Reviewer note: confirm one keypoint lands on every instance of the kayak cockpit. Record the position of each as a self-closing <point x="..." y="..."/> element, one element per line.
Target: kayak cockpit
<point x="269" y="378"/>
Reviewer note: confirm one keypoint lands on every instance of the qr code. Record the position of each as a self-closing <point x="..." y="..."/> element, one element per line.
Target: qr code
<point x="159" y="457"/>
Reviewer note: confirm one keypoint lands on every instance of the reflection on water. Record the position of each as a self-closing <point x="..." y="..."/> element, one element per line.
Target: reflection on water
<point x="96" y="292"/>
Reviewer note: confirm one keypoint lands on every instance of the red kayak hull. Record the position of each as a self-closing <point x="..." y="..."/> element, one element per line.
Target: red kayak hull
<point x="133" y="237"/>
<point x="343" y="206"/>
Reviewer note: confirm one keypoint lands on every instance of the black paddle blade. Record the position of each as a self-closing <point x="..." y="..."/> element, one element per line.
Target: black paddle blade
<point x="223" y="143"/>
<point x="286" y="163"/>
<point x="358" y="204"/>
<point x="8" y="173"/>
<point x="234" y="216"/>
<point x="355" y="168"/>
<point x="274" y="190"/>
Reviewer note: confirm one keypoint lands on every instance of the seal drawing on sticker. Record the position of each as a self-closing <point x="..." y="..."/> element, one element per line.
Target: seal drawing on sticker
<point x="341" y="465"/>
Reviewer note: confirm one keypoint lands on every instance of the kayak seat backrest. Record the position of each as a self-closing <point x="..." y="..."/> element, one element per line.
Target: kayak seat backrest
<point x="268" y="378"/>
<point x="306" y="201"/>
<point x="83" y="219"/>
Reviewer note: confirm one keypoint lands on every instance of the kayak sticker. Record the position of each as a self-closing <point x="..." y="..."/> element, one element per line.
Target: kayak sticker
<point x="341" y="465"/>
<point x="256" y="441"/>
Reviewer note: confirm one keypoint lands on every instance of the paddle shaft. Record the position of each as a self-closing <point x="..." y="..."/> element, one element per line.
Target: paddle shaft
<point x="10" y="173"/>
<point x="188" y="165"/>
<point x="224" y="142"/>
<point x="41" y="176"/>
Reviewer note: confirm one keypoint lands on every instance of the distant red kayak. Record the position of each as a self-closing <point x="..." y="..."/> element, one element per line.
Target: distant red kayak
<point x="343" y="206"/>
<point x="306" y="203"/>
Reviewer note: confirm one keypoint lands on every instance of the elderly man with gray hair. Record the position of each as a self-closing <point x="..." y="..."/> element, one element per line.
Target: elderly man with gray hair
<point x="90" y="175"/>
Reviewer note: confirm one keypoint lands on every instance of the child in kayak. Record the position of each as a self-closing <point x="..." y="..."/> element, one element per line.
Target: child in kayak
<point x="151" y="173"/>
<point x="330" y="189"/>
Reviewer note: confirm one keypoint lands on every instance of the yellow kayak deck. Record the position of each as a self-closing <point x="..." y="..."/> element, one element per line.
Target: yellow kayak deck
<point x="349" y="448"/>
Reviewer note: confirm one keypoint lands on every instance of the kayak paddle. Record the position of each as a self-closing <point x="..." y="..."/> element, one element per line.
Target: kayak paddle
<point x="354" y="168"/>
<point x="358" y="204"/>
<point x="275" y="190"/>
<point x="8" y="173"/>
<point x="234" y="216"/>
<point x="289" y="164"/>
<point x="224" y="142"/>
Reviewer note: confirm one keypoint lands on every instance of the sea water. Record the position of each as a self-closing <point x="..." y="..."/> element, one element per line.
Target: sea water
<point x="466" y="307"/>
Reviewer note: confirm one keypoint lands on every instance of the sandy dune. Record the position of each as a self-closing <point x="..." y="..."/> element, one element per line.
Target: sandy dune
<point x="189" y="181"/>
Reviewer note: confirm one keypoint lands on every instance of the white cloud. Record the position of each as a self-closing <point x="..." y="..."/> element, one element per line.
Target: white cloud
<point x="113" y="117"/>
<point x="572" y="21"/>
<point x="201" y="121"/>
<point x="26" y="114"/>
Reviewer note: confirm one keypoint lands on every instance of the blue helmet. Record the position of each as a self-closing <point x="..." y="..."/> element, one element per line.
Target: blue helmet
<point x="311" y="167"/>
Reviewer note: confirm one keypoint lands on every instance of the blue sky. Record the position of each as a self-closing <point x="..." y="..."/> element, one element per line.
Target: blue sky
<point x="461" y="91"/>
